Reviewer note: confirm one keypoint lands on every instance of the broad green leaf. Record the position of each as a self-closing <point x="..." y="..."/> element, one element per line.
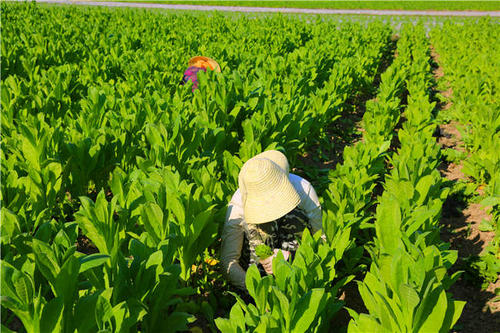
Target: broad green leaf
<point x="388" y="224"/>
<point x="90" y="224"/>
<point x="409" y="298"/>
<point x="366" y="290"/>
<point x="67" y="281"/>
<point x="155" y="259"/>
<point x="423" y="187"/>
<point x="364" y="324"/>
<point x="307" y="310"/>
<point x="46" y="261"/>
<point x="433" y="311"/>
<point x="453" y="312"/>
<point x="23" y="288"/>
<point x="262" y="293"/>
<point x="237" y="317"/>
<point x="92" y="260"/>
<point x="10" y="225"/>
<point x="103" y="311"/>
<point x="52" y="314"/>
<point x="224" y="325"/>
<point x="252" y="279"/>
<point x="152" y="217"/>
<point x="175" y="205"/>
<point x="284" y="307"/>
<point x="85" y="318"/>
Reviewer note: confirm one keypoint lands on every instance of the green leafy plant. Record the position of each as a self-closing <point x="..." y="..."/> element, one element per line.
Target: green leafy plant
<point x="263" y="251"/>
<point x="115" y="178"/>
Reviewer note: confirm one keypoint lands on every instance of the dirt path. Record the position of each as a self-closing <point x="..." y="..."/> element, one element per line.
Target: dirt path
<point x="279" y="10"/>
<point x="460" y="221"/>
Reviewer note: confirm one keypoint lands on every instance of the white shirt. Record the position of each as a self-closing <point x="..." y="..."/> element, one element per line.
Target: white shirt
<point x="235" y="226"/>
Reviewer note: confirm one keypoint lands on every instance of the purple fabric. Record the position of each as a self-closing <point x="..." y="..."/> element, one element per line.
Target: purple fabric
<point x="191" y="75"/>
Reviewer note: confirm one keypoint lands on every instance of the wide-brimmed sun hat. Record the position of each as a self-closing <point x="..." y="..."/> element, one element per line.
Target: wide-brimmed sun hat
<point x="204" y="62"/>
<point x="269" y="194"/>
<point x="277" y="157"/>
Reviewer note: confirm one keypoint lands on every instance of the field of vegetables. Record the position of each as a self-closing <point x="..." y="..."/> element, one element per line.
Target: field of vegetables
<point x="115" y="178"/>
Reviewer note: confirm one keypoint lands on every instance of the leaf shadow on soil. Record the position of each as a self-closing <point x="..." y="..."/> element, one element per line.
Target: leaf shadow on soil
<point x="456" y="230"/>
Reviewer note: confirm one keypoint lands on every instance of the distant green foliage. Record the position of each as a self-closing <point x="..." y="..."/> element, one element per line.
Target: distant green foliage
<point x="402" y="5"/>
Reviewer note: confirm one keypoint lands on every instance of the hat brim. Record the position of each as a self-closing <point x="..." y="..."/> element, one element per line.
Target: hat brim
<point x="200" y="61"/>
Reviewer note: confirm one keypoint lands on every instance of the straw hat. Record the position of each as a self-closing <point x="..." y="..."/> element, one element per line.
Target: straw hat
<point x="268" y="191"/>
<point x="277" y="157"/>
<point x="204" y="62"/>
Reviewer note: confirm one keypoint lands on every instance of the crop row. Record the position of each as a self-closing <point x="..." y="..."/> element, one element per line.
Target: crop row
<point x="473" y="79"/>
<point x="405" y="289"/>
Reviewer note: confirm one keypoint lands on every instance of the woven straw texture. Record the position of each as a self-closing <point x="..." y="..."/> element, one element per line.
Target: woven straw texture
<point x="268" y="191"/>
<point x="277" y="157"/>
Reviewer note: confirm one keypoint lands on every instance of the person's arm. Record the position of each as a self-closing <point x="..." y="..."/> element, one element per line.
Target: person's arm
<point x="310" y="203"/>
<point x="232" y="242"/>
<point x="313" y="210"/>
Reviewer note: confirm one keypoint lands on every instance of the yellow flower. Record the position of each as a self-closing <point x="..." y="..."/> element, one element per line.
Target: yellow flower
<point x="211" y="261"/>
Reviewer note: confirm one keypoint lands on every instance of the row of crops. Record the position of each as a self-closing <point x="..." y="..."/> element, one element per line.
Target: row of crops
<point x="115" y="178"/>
<point x="405" y="288"/>
<point x="473" y="80"/>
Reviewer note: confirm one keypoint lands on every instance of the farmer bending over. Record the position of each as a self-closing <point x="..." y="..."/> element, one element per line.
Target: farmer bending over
<point x="271" y="207"/>
<point x="195" y="65"/>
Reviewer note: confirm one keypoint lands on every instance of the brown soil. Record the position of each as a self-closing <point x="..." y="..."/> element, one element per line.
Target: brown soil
<point x="14" y="323"/>
<point x="439" y="73"/>
<point x="461" y="229"/>
<point x="85" y="245"/>
<point x="453" y="172"/>
<point x="310" y="160"/>
<point x="350" y="295"/>
<point x="450" y="137"/>
<point x="480" y="314"/>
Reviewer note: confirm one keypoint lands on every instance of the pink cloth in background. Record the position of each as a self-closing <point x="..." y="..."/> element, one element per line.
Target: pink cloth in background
<point x="191" y="75"/>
